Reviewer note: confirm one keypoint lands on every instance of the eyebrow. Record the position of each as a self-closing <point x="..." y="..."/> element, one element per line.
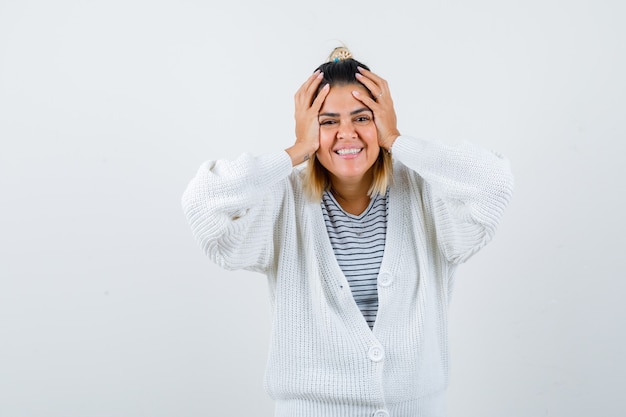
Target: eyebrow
<point x="352" y="113"/>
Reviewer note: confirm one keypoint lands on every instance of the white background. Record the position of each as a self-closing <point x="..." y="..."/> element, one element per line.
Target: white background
<point x="108" y="308"/>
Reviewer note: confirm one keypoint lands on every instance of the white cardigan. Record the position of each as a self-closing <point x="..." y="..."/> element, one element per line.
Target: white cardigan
<point x="444" y="205"/>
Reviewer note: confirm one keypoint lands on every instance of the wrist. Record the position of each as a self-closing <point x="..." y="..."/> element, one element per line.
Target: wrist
<point x="300" y="153"/>
<point x="389" y="141"/>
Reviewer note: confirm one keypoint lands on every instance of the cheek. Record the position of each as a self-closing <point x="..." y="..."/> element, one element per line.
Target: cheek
<point x="369" y="133"/>
<point x="326" y="139"/>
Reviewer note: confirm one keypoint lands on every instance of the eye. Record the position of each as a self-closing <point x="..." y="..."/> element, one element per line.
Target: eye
<point x="362" y="119"/>
<point x="327" y="122"/>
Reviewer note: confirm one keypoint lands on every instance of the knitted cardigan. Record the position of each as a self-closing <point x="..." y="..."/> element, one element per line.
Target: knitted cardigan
<point x="324" y="361"/>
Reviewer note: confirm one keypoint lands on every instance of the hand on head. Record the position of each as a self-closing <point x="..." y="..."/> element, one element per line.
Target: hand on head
<point x="381" y="106"/>
<point x="306" y="115"/>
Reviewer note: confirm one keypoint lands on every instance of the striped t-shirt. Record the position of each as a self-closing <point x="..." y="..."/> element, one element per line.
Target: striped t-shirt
<point x="359" y="244"/>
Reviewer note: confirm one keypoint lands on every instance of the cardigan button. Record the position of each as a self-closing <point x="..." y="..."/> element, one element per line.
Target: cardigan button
<point x="385" y="279"/>
<point x="381" y="413"/>
<point x="376" y="353"/>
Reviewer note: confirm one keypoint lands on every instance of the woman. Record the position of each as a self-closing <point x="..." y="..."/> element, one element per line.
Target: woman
<point x="360" y="247"/>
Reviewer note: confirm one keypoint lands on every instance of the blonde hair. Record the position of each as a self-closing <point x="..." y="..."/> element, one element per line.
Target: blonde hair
<point x="340" y="69"/>
<point x="316" y="178"/>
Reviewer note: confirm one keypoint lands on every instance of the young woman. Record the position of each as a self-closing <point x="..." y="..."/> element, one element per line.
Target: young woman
<point x="360" y="246"/>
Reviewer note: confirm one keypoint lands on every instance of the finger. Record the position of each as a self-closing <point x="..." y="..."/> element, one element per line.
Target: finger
<point x="365" y="99"/>
<point x="311" y="79"/>
<point x="305" y="86"/>
<point x="308" y="89"/>
<point x="374" y="83"/>
<point x="313" y="82"/>
<point x="375" y="89"/>
<point x="369" y="74"/>
<point x="368" y="83"/>
<point x="319" y="100"/>
<point x="314" y="86"/>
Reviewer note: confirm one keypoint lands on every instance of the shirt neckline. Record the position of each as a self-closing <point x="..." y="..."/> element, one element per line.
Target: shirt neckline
<point x="373" y="200"/>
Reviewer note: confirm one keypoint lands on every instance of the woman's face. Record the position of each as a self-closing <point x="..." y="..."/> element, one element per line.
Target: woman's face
<point x="348" y="136"/>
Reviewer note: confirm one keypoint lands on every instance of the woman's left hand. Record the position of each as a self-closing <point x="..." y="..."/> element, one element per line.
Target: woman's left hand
<point x="382" y="106"/>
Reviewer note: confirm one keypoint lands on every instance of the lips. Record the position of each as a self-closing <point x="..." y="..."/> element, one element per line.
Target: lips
<point x="348" y="151"/>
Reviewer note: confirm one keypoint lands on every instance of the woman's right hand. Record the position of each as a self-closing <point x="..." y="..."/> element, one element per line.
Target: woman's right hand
<point x="306" y="115"/>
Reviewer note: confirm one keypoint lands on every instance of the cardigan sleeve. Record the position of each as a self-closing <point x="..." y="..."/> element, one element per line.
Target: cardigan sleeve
<point x="231" y="206"/>
<point x="466" y="187"/>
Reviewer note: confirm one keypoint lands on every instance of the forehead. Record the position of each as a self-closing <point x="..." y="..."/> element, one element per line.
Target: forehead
<point x="341" y="100"/>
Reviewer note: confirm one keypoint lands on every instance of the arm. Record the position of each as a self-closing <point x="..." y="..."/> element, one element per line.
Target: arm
<point x="230" y="206"/>
<point x="469" y="188"/>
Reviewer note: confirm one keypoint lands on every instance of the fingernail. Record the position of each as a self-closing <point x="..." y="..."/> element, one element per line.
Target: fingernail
<point x="358" y="74"/>
<point x="356" y="93"/>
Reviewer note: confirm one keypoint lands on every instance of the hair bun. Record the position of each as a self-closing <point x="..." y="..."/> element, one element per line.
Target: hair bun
<point x="340" y="53"/>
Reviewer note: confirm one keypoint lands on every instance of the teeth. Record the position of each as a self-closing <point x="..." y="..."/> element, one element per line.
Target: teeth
<point x="348" y="151"/>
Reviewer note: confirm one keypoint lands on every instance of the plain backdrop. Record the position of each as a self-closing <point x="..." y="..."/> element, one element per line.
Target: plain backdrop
<point x="108" y="308"/>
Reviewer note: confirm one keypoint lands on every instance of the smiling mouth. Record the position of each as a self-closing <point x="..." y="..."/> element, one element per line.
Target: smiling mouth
<point x="353" y="151"/>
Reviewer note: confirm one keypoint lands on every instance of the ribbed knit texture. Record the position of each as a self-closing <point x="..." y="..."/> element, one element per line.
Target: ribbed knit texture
<point x="324" y="360"/>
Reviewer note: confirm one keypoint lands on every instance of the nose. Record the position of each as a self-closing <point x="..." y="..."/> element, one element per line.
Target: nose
<point x="346" y="131"/>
